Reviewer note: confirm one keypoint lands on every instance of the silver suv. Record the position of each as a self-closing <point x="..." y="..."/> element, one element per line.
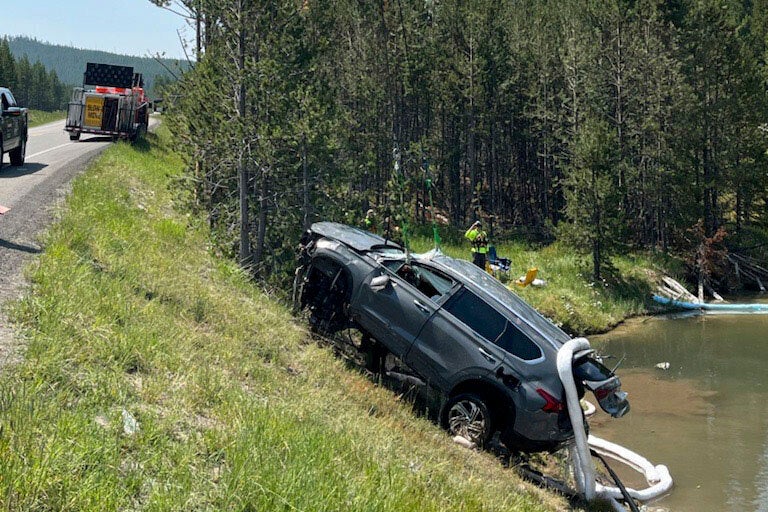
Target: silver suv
<point x="446" y="325"/>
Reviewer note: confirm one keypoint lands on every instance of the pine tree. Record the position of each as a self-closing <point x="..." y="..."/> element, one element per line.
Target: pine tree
<point x="24" y="81"/>
<point x="591" y="196"/>
<point x="7" y="66"/>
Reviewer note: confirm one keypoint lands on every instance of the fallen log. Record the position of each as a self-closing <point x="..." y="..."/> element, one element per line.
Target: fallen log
<point x="680" y="289"/>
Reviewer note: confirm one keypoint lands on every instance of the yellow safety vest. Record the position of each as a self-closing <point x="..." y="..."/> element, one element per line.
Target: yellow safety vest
<point x="479" y="239"/>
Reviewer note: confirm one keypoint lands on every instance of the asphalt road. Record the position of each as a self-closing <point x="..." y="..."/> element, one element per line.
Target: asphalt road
<point x="32" y="193"/>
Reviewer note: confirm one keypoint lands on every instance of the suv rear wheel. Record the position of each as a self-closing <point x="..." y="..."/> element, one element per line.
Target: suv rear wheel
<point x="468" y="415"/>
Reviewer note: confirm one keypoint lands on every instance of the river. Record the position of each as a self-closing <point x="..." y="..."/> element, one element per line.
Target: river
<point x="705" y="417"/>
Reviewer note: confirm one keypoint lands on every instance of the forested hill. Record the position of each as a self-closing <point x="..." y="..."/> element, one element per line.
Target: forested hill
<point x="69" y="62"/>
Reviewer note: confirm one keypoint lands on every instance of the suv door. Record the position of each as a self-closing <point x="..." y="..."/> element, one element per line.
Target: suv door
<point x="457" y="341"/>
<point x="392" y="309"/>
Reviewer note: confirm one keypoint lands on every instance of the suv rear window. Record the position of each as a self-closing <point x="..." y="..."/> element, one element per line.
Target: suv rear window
<point x="492" y="325"/>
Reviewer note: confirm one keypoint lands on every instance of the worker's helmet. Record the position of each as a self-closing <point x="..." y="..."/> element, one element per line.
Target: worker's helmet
<point x="369" y="213"/>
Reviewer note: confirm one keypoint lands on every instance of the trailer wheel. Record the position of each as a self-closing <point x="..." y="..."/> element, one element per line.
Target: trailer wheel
<point x="74" y="136"/>
<point x="139" y="134"/>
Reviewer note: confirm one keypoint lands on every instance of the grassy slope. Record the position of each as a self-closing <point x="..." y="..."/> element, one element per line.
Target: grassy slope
<point x="236" y="410"/>
<point x="38" y="117"/>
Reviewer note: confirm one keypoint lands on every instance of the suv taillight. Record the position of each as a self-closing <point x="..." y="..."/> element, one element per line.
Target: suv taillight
<point x="553" y="404"/>
<point x="601" y="393"/>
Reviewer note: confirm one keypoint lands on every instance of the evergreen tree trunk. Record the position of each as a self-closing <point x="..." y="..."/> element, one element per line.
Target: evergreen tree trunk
<point x="242" y="172"/>
<point x="262" y="231"/>
<point x="305" y="183"/>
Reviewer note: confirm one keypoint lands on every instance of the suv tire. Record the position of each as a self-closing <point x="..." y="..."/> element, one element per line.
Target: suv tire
<point x="17" y="154"/>
<point x="373" y="354"/>
<point x="468" y="415"/>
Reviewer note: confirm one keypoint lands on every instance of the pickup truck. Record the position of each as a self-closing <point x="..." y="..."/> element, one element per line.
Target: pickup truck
<point x="13" y="129"/>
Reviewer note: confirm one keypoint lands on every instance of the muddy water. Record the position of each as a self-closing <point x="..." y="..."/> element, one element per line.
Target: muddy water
<point x="706" y="417"/>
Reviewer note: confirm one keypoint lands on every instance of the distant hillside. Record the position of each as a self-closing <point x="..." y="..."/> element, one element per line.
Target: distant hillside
<point x="69" y="62"/>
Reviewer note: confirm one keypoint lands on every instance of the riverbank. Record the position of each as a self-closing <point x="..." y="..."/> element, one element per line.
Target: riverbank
<point x="157" y="376"/>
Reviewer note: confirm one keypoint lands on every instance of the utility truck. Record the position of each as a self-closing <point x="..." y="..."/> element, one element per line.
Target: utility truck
<point x="111" y="102"/>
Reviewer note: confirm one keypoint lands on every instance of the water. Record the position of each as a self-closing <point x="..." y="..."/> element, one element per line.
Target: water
<point x="706" y="417"/>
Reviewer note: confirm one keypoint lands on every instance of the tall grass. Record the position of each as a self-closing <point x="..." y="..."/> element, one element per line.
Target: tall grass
<point x="158" y="378"/>
<point x="39" y="117"/>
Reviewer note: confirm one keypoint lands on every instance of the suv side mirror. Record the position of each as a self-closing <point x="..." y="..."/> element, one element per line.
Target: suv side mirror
<point x="378" y="283"/>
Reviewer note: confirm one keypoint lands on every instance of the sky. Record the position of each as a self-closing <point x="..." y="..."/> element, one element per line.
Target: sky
<point x="130" y="27"/>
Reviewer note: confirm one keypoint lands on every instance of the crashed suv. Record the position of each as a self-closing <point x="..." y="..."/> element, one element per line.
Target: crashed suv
<point x="449" y="327"/>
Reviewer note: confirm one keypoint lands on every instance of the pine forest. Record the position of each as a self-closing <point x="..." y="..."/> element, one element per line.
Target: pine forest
<point x="32" y="85"/>
<point x="609" y="125"/>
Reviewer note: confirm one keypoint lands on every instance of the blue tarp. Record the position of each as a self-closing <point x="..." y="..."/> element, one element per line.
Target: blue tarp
<point x="756" y="307"/>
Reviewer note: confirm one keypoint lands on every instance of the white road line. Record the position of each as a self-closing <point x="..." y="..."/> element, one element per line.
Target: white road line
<point x="49" y="149"/>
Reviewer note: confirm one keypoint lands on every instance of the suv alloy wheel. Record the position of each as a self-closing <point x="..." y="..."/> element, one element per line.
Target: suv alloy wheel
<point x="467" y="415"/>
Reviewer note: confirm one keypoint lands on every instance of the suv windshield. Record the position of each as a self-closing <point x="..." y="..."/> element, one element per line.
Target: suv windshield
<point x="505" y="297"/>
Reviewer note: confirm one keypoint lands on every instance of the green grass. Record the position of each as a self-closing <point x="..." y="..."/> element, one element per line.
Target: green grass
<point x="39" y="117"/>
<point x="130" y="314"/>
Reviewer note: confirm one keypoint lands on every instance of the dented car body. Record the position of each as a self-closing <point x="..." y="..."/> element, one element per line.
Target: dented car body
<point x="452" y="328"/>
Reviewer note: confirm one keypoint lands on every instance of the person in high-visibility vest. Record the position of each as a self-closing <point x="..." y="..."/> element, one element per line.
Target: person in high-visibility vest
<point x="479" y="239"/>
<point x="370" y="222"/>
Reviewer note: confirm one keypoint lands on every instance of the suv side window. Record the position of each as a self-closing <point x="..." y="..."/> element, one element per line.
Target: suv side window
<point x="492" y="325"/>
<point x="428" y="282"/>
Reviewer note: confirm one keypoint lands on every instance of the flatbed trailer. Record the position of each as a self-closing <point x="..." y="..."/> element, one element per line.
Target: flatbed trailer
<point x="111" y="103"/>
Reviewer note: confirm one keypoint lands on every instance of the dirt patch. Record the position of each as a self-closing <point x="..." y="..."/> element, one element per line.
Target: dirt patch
<point x="10" y="345"/>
